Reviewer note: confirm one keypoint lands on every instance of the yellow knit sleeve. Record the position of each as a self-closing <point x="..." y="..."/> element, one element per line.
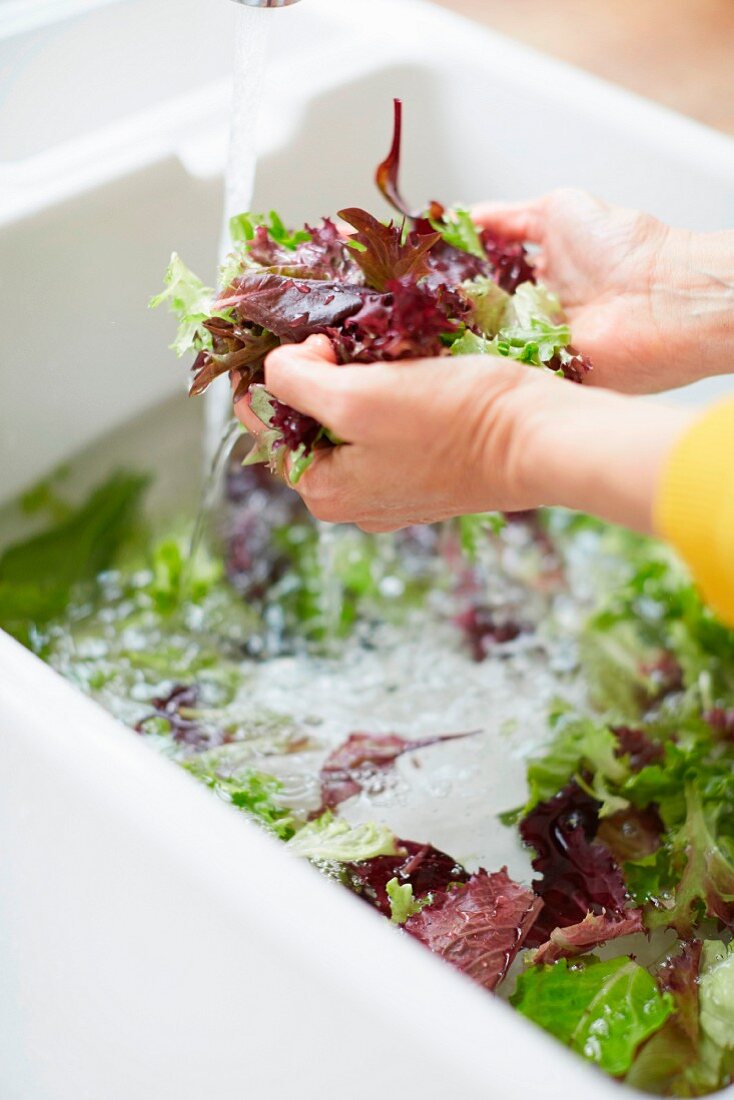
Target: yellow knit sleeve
<point x="694" y="510"/>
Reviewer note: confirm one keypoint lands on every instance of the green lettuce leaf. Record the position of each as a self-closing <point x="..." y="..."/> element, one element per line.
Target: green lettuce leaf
<point x="602" y="1010"/>
<point x="402" y="902"/>
<point x="251" y="791"/>
<point x="489" y="304"/>
<point x="331" y="839"/>
<point x="578" y="744"/>
<point x="529" y="332"/>
<point x="457" y="229"/>
<point x="706" y="856"/>
<point x="614" y="662"/>
<point x="242" y="229"/>
<point x="191" y="301"/>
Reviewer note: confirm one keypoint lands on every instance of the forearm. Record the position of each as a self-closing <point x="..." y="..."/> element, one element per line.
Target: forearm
<point x="692" y="295"/>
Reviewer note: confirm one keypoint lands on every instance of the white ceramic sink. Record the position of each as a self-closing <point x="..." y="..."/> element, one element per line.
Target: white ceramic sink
<point x="153" y="945"/>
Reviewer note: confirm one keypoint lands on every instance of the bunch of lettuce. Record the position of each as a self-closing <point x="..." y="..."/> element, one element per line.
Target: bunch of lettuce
<point x="430" y="284"/>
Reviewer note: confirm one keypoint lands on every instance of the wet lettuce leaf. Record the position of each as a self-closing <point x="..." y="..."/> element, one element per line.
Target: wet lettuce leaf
<point x="478" y="927"/>
<point x="577" y="873"/>
<point x="332" y="840"/>
<point x="716" y="996"/>
<point x="602" y="1010"/>
<point x="703" y="851"/>
<point x="580" y="745"/>
<point x="427" y="870"/>
<point x="579" y="939"/>
<point x="254" y="793"/>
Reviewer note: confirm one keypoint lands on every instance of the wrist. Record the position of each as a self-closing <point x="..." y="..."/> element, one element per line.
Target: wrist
<point x="595" y="451"/>
<point x="692" y="294"/>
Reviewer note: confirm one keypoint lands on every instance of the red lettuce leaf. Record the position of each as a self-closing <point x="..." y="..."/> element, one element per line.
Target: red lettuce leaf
<point x="640" y="748"/>
<point x="577" y="876"/>
<point x="386" y="176"/>
<point x="293" y="308"/>
<point x="407" y="322"/>
<point x="184" y="729"/>
<point x="581" y="938"/>
<point x="385" y="251"/>
<point x="296" y="428"/>
<point x="235" y="348"/>
<point x="478" y="928"/>
<point x="721" y="720"/>
<point x="508" y="260"/>
<point x="483" y="630"/>
<point x="425" y="868"/>
<point x="362" y="761"/>
<point x="449" y="266"/>
<point x="260" y="504"/>
<point x="678" y="975"/>
<point x="324" y="255"/>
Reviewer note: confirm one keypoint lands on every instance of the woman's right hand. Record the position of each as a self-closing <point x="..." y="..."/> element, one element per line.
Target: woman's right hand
<point x="652" y="306"/>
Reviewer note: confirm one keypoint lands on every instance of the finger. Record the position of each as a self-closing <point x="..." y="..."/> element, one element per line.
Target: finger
<point x="247" y="418"/>
<point x="517" y="221"/>
<point x="307" y="381"/>
<point x="319" y="346"/>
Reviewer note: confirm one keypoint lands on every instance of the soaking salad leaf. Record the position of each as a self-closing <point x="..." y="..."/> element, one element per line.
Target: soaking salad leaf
<point x="431" y="284"/>
<point x="603" y="1010"/>
<point x="332" y="840"/>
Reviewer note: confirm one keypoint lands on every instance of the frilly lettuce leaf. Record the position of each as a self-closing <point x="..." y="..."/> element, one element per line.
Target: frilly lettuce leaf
<point x="706" y="855"/>
<point x="191" y="301"/>
<point x="457" y="229"/>
<point x="578" y="939"/>
<point x="489" y="304"/>
<point x="578" y="744"/>
<point x="330" y="839"/>
<point x="529" y="332"/>
<point x="602" y="1010"/>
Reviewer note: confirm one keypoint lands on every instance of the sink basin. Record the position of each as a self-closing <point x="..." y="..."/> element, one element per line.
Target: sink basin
<point x="152" y="943"/>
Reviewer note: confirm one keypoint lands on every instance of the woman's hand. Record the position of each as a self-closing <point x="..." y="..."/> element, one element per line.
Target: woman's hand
<point x="435" y="438"/>
<point x="652" y="306"/>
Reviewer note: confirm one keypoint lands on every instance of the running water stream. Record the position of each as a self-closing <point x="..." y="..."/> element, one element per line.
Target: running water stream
<point x="252" y="31"/>
<point x="251" y="35"/>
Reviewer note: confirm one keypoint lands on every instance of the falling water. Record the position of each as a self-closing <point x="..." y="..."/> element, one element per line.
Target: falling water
<point x="211" y="487"/>
<point x="250" y="51"/>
